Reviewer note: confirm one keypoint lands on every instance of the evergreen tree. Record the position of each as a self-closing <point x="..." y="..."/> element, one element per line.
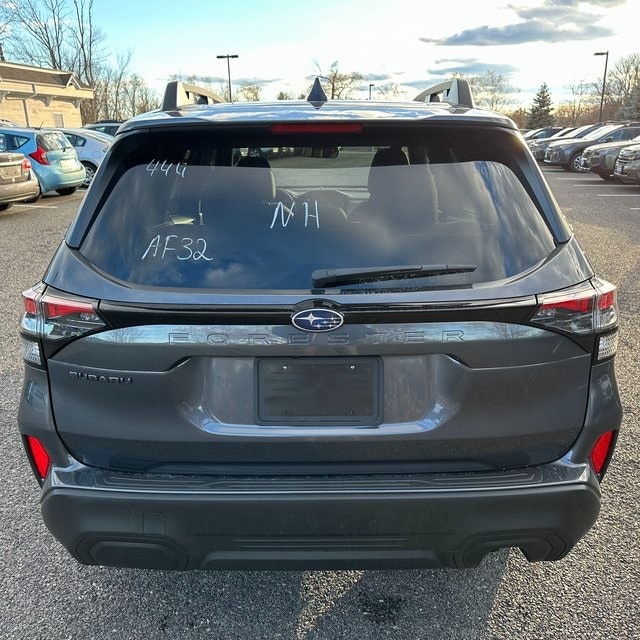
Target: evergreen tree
<point x="631" y="107"/>
<point x="541" y="112"/>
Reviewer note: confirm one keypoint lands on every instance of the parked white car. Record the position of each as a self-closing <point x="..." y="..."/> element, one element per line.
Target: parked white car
<point x="91" y="147"/>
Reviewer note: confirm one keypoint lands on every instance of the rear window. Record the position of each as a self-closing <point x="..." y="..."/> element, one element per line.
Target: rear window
<point x="245" y="211"/>
<point x="53" y="141"/>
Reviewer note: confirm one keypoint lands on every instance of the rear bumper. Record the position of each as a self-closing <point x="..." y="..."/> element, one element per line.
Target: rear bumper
<point x="19" y="191"/>
<point x="430" y="520"/>
<point x="57" y="180"/>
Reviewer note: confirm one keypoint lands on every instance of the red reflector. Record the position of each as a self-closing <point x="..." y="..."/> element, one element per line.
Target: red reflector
<point x="600" y="451"/>
<point x="317" y="127"/>
<point x="39" y="456"/>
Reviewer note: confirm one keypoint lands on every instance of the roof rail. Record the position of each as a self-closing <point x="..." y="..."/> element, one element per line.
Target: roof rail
<point x="178" y="94"/>
<point x="455" y="91"/>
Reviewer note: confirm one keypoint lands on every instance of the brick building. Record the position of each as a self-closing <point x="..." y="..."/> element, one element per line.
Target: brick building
<point x="40" y="97"/>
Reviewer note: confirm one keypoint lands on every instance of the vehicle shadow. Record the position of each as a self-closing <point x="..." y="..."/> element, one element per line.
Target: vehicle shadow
<point x="415" y="604"/>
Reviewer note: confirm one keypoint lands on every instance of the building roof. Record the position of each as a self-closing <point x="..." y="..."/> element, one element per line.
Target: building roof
<point x="13" y="72"/>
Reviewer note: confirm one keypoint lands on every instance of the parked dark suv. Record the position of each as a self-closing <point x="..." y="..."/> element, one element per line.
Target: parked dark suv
<point x="566" y="153"/>
<point x="384" y="348"/>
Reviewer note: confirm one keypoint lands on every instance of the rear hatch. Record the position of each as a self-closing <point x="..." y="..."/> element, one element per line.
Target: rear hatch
<point x="306" y="313"/>
<point x="60" y="154"/>
<point x="13" y="168"/>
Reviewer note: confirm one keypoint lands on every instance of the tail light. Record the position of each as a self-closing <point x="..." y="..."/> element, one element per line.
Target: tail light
<point x="40" y="155"/>
<point x="26" y="164"/>
<point x="590" y="309"/>
<point x="54" y="319"/>
<point x="38" y="457"/>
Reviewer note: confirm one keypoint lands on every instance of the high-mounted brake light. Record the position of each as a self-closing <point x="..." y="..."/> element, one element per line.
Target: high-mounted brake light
<point x="40" y="155"/>
<point x="40" y="459"/>
<point x="317" y="127"/>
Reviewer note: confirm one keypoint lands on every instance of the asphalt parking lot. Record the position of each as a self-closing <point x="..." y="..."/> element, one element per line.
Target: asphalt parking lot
<point x="592" y="594"/>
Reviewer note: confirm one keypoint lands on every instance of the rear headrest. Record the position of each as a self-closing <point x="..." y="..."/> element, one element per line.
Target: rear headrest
<point x="257" y="182"/>
<point x="394" y="156"/>
<point x="389" y="157"/>
<point x="254" y="161"/>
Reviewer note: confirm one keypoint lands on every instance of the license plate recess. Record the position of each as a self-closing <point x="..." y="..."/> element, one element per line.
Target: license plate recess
<point x="305" y="391"/>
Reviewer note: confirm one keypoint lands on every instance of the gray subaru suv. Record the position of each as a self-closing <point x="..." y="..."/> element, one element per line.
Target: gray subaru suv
<point x="379" y="347"/>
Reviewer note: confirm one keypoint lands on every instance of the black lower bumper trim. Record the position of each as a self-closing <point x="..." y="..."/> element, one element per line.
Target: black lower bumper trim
<point x="317" y="531"/>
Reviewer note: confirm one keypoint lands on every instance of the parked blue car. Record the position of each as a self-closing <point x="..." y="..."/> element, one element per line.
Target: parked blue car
<point x="54" y="161"/>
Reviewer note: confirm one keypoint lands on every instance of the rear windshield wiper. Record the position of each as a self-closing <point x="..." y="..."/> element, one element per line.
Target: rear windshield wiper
<point x="335" y="277"/>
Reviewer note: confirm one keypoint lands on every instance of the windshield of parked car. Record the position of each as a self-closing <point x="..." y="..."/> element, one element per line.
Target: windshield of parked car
<point x="602" y="131"/>
<point x="242" y="212"/>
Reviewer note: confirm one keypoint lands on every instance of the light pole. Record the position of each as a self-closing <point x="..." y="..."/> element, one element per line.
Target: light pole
<point x="371" y="85"/>
<point x="604" y="77"/>
<point x="227" y="56"/>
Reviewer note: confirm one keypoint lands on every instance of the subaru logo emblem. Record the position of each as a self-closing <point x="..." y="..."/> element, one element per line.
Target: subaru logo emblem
<point x="317" y="320"/>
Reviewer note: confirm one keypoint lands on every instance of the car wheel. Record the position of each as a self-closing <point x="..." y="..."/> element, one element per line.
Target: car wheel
<point x="90" y="172"/>
<point x="35" y="198"/>
<point x="574" y="163"/>
<point x="67" y="191"/>
<point x="5" y="206"/>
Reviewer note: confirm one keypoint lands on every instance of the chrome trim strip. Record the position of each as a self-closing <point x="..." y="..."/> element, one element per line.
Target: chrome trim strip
<point x="560" y="473"/>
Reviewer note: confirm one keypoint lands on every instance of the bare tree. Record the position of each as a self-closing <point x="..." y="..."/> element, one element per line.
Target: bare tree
<point x="492" y="90"/>
<point x="42" y="27"/>
<point x="341" y="85"/>
<point x="622" y="79"/>
<point x="519" y="116"/>
<point x="392" y="91"/>
<point x="572" y="111"/>
<point x="250" y="92"/>
<point x="63" y="35"/>
<point x="87" y="41"/>
<point x="137" y="97"/>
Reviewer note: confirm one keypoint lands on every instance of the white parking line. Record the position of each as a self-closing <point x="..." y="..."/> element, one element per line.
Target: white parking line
<point x="586" y="184"/>
<point x="36" y="206"/>
<point x="619" y="195"/>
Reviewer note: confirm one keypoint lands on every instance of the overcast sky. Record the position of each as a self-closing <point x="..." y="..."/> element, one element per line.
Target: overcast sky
<point x="413" y="43"/>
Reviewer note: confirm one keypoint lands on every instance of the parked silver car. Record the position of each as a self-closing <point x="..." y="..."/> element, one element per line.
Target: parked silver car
<point x="18" y="181"/>
<point x="601" y="158"/>
<point x="91" y="147"/>
<point x="109" y="127"/>
<point x="627" y="169"/>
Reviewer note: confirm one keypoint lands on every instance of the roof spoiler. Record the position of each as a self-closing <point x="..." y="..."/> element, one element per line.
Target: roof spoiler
<point x="455" y="91"/>
<point x="178" y="94"/>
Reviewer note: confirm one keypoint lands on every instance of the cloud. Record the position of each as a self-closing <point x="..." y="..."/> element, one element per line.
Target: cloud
<point x="376" y="77"/>
<point x="538" y="24"/>
<point x="446" y="67"/>
<point x="258" y="82"/>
